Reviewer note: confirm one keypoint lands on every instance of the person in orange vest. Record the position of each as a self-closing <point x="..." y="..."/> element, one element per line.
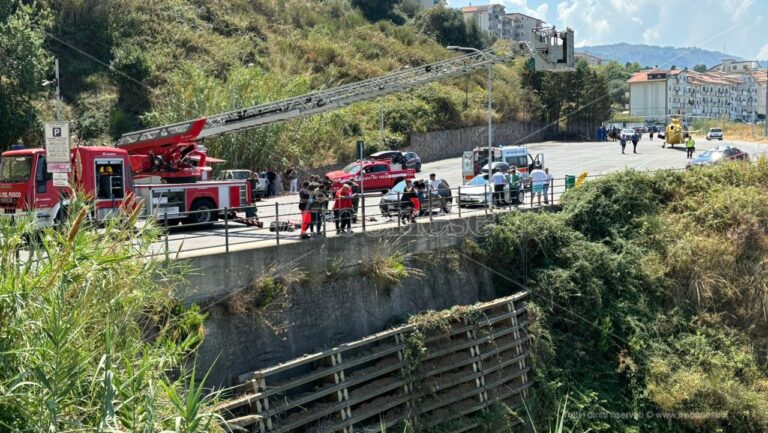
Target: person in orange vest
<point x="342" y="207"/>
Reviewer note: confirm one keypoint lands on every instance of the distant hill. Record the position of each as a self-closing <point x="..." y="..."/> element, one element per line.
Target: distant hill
<point x="651" y="55"/>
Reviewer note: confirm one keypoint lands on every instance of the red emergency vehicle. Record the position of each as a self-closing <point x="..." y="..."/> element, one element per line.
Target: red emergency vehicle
<point x="377" y="175"/>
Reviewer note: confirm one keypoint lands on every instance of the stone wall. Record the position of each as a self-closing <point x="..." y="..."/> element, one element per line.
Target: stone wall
<point x="436" y="145"/>
<point x="450" y="143"/>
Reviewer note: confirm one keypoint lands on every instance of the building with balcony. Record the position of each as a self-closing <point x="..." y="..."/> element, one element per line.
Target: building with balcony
<point x="497" y="23"/>
<point x="523" y="25"/>
<point x="656" y="94"/>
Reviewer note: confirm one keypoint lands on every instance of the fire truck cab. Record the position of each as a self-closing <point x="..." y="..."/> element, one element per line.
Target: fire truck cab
<point x="26" y="186"/>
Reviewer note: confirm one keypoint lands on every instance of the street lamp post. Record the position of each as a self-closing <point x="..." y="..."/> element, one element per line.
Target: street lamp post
<point x="490" y="102"/>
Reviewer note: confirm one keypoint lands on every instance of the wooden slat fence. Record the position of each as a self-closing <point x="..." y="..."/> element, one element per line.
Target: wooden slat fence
<point x="433" y="375"/>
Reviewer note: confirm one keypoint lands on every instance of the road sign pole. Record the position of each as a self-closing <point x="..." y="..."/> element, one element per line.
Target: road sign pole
<point x="58" y="91"/>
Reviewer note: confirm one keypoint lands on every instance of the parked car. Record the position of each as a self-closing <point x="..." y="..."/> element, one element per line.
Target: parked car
<point x="627" y="133"/>
<point x="442" y="199"/>
<point x="258" y="184"/>
<point x="406" y="159"/>
<point x="412" y="160"/>
<point x="715" y="133"/>
<point x="718" y="155"/>
<point x="479" y="192"/>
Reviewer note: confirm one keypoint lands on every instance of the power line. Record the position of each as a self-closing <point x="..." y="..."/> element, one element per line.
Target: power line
<point x="106" y="65"/>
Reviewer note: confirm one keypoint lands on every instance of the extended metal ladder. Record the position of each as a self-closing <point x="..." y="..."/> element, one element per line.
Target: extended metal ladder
<point x="552" y="51"/>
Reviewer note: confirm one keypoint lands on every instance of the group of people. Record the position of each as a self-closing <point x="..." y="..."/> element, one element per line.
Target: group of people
<point x="416" y="191"/>
<point x="502" y="179"/>
<point x="275" y="180"/>
<point x="315" y="196"/>
<point x="634" y="139"/>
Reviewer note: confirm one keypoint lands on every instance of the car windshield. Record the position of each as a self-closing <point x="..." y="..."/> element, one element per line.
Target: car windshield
<point x="352" y="168"/>
<point x="15" y="168"/>
<point x="715" y="130"/>
<point x="517" y="161"/>
<point x="400" y="187"/>
<point x="628" y="131"/>
<point x="479" y="180"/>
<point x="711" y="155"/>
<point x="240" y="175"/>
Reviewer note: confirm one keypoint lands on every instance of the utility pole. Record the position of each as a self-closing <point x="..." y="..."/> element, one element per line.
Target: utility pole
<point x="58" y="91"/>
<point x="490" y="105"/>
<point x="382" y="123"/>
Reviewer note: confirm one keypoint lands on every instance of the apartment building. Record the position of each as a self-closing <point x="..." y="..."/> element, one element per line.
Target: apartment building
<point x="730" y="66"/>
<point x="523" y="25"/>
<point x="490" y="18"/>
<point x="655" y="94"/>
<point x="499" y="24"/>
<point x="762" y="83"/>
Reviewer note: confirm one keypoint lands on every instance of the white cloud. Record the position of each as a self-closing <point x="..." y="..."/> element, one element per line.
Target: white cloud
<point x="763" y="54"/>
<point x="636" y="20"/>
<point x="521" y="6"/>
<point x="651" y="36"/>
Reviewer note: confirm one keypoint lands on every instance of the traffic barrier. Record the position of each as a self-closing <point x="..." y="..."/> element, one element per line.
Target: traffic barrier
<point x="428" y="375"/>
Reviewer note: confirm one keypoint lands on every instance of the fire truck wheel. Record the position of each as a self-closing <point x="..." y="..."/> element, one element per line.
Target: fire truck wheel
<point x="203" y="213"/>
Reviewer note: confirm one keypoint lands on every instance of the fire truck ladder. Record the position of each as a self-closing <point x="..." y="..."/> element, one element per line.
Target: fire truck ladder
<point x="552" y="51"/>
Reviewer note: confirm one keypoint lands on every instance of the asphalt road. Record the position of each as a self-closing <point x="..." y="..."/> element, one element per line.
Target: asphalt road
<point x="562" y="158"/>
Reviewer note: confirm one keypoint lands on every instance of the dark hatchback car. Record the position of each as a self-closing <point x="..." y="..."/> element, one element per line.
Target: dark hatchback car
<point x="441" y="200"/>
<point x="408" y="159"/>
<point x="718" y="155"/>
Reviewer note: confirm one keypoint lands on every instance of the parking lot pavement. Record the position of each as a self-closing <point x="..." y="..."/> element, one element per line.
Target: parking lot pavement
<point x="562" y="158"/>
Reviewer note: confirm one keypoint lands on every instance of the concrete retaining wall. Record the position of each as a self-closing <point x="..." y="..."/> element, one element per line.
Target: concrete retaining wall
<point x="335" y="303"/>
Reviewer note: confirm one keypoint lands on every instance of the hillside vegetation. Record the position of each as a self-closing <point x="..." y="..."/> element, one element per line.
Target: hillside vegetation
<point x="130" y="64"/>
<point x="650" y="300"/>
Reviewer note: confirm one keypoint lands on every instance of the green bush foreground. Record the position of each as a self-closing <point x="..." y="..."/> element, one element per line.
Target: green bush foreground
<point x="649" y="299"/>
<point x="92" y="337"/>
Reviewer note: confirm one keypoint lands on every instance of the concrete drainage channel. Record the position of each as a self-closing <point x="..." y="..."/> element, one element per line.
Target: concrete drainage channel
<point x="447" y="371"/>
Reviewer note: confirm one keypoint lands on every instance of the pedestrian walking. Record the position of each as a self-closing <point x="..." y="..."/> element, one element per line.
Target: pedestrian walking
<point x="623" y="142"/>
<point x="635" y="139"/>
<point x="306" y="215"/>
<point x="690" y="147"/>
<point x="651" y="135"/>
<point x="498" y="180"/>
<point x="538" y="179"/>
<point x="343" y="205"/>
<point x="547" y="184"/>
<point x="293" y="178"/>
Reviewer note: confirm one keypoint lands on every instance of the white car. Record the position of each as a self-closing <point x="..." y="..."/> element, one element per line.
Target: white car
<point x="479" y="192"/>
<point x="627" y="133"/>
<point x="715" y="134"/>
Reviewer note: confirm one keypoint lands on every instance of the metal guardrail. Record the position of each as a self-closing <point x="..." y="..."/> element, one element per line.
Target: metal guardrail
<point x="366" y="217"/>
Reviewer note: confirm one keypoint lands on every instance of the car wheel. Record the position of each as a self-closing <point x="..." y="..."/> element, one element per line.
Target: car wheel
<point x="448" y="206"/>
<point x="418" y="168"/>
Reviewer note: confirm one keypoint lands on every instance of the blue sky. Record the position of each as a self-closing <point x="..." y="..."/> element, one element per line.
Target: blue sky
<point x="739" y="26"/>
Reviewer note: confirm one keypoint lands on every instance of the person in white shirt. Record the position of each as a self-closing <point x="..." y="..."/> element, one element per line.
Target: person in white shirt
<point x="499" y="180"/>
<point x="547" y="184"/>
<point x="538" y="180"/>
